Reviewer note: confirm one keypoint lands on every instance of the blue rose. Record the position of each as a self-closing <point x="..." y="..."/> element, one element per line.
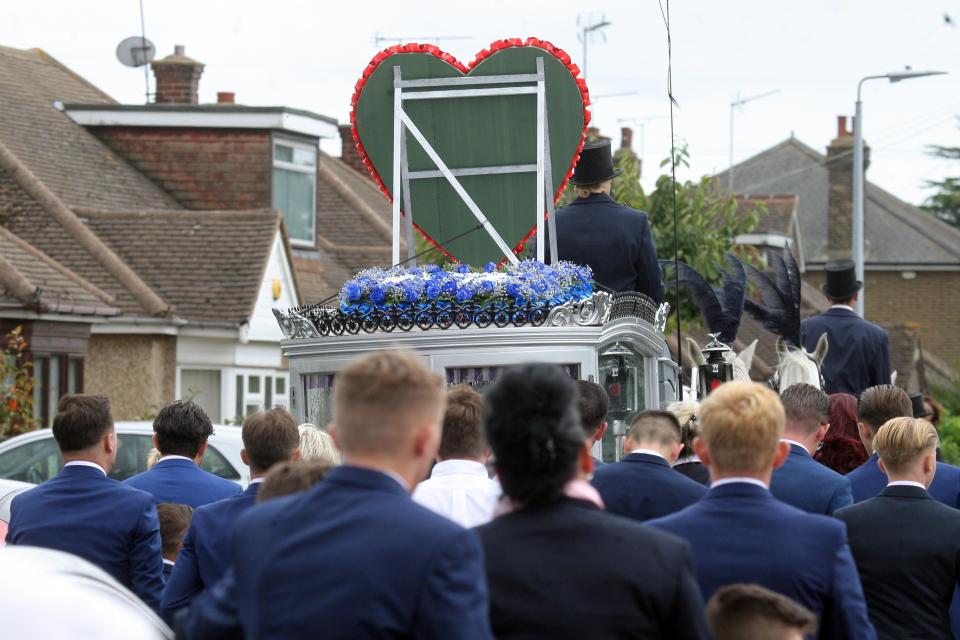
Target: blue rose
<point x="490" y="267"/>
<point x="377" y="294"/>
<point x="415" y="271"/>
<point x="354" y="291"/>
<point x="464" y="294"/>
<point x="450" y="287"/>
<point x="513" y="289"/>
<point x="462" y="268"/>
<point x="487" y="287"/>
<point x="433" y="291"/>
<point x="410" y="294"/>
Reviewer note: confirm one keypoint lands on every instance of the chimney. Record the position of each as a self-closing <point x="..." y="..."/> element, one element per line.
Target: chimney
<point x="226" y="97"/>
<point x="626" y="138"/>
<point x="348" y="150"/>
<point x="840" y="194"/>
<point x="178" y="78"/>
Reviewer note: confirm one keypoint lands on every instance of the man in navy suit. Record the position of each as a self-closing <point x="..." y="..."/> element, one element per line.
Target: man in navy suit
<point x="593" y="403"/>
<point x="84" y="512"/>
<point x="180" y="435"/>
<point x="906" y="544"/>
<point x="355" y="557"/>
<point x="802" y="481"/>
<point x="269" y="437"/>
<point x="878" y="405"/>
<point x="740" y="533"/>
<point x="643" y="485"/>
<point x="612" y="239"/>
<point x="859" y="355"/>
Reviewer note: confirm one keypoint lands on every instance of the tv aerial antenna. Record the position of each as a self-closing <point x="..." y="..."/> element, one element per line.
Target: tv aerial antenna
<point x="587" y="27"/>
<point x="137" y="51"/>
<point x="379" y="38"/>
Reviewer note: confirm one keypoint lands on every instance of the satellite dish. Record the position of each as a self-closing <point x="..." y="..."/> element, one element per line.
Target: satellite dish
<point x="135" y="51"/>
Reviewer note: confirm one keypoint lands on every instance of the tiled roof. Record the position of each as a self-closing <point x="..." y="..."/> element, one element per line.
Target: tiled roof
<point x="896" y="233"/>
<point x="780" y="210"/>
<point x="72" y="162"/>
<point x="46" y="285"/>
<point x="208" y="264"/>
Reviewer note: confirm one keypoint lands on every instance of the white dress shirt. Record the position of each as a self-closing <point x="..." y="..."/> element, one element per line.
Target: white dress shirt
<point x="754" y="481"/>
<point x="460" y="490"/>
<point x="906" y="483"/>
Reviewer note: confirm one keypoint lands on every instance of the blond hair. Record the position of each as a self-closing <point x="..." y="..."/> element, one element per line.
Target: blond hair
<point x="380" y="398"/>
<point x="901" y="441"/>
<point x="316" y="444"/>
<point x="741" y="423"/>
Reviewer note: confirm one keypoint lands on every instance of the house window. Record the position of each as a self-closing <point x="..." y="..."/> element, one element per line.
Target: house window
<point x="55" y="376"/>
<point x="295" y="189"/>
<point x="257" y="391"/>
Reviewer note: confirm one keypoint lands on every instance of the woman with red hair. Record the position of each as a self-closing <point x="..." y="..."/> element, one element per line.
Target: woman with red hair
<point x="842" y="449"/>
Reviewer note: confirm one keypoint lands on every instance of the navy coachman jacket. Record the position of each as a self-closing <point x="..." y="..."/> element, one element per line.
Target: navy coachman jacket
<point x="613" y="240"/>
<point x="859" y="355"/>
<point x="84" y="512"/>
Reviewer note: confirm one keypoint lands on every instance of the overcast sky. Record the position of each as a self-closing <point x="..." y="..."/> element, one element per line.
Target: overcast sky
<point x="310" y="54"/>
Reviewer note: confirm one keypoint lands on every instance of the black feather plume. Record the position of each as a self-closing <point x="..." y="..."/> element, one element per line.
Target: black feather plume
<point x="721" y="309"/>
<point x="780" y="312"/>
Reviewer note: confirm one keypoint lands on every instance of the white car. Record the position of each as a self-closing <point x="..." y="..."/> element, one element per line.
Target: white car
<point x="9" y="489"/>
<point x="34" y="457"/>
<point x="57" y="596"/>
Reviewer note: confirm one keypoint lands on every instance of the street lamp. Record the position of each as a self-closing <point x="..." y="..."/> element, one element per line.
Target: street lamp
<point x="893" y="76"/>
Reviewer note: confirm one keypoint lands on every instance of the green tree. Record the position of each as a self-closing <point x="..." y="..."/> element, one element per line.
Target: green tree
<point x="708" y="218"/>
<point x="945" y="204"/>
<point x="16" y="394"/>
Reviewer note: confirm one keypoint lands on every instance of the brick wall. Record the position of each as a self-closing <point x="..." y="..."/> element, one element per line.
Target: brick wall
<point x="925" y="300"/>
<point x="202" y="169"/>
<point x="137" y="372"/>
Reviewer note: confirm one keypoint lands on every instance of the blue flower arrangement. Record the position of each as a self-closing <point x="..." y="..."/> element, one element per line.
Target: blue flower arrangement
<point x="529" y="281"/>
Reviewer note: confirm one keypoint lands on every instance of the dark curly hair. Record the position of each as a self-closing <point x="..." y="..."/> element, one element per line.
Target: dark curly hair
<point x="533" y="426"/>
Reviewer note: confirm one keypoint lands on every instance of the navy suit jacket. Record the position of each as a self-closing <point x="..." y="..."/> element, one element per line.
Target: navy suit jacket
<point x="183" y="482"/>
<point x="907" y="549"/>
<point x="806" y="484"/>
<point x="740" y="533"/>
<point x="613" y="240"/>
<point x="206" y="553"/>
<point x="868" y="480"/>
<point x="859" y="354"/>
<point x="643" y="486"/>
<point x="569" y="570"/>
<point x="353" y="557"/>
<point x="83" y="512"/>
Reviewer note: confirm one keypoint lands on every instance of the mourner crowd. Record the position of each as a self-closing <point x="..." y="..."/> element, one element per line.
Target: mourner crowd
<point x="726" y="519"/>
<point x="752" y="516"/>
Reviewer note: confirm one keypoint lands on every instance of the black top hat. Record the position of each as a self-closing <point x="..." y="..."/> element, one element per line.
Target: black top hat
<point x="841" y="279"/>
<point x="595" y="164"/>
<point x="919" y="410"/>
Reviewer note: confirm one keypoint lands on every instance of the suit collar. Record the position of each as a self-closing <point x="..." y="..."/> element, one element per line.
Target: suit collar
<point x="904" y="491"/>
<point x="178" y="461"/>
<point x="798" y="449"/>
<point x="840" y="312"/>
<point x="363" y="478"/>
<point x="648" y="458"/>
<point x="82" y="471"/>
<point x="737" y="490"/>
<point x="594" y="198"/>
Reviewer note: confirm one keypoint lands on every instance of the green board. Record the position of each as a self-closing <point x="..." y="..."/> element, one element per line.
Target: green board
<point x="473" y="132"/>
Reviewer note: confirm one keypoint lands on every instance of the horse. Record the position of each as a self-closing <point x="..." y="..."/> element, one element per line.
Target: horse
<point x="797" y="365"/>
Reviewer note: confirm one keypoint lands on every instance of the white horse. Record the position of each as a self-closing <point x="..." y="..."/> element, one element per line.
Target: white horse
<point x="797" y="365"/>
